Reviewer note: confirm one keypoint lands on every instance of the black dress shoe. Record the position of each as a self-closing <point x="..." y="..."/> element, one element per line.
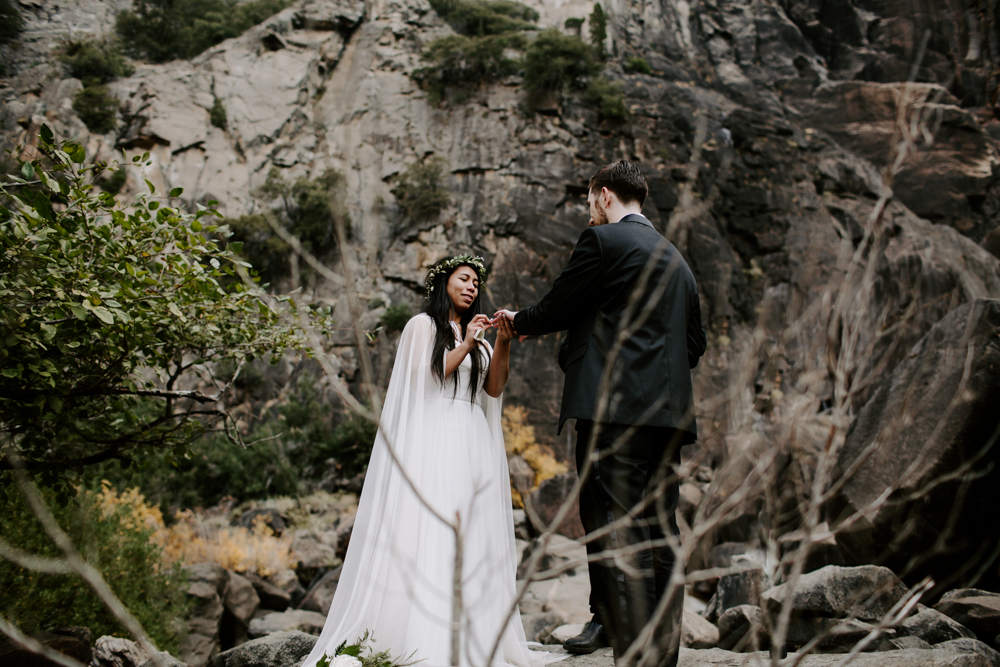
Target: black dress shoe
<point x="592" y="638"/>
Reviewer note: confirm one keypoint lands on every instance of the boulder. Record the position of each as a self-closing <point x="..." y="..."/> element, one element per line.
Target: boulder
<point x="838" y="635"/>
<point x="738" y="588"/>
<point x="117" y="652"/>
<point x="742" y="629"/>
<point x="563" y="553"/>
<point x="901" y="644"/>
<point x="241" y="598"/>
<point x="956" y="653"/>
<point x="934" y="627"/>
<point x="865" y="593"/>
<point x="522" y="527"/>
<point x="163" y="659"/>
<point x="271" y="597"/>
<point x="541" y="624"/>
<point x="207" y="584"/>
<point x="312" y="554"/>
<point x="283" y="621"/>
<point x="70" y="641"/>
<point x="931" y="416"/>
<point x="289" y="582"/>
<point x="281" y="649"/>
<point x="545" y="502"/>
<point x="271" y="517"/>
<point x="319" y="597"/>
<point x="977" y="610"/>
<point x="696" y="632"/>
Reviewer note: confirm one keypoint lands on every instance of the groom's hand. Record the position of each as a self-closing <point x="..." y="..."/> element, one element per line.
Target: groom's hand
<point x="509" y="316"/>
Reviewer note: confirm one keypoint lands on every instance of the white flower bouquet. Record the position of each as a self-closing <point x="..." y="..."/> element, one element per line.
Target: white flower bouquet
<point x="361" y="654"/>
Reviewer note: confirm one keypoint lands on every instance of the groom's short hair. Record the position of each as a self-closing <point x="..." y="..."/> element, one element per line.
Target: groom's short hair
<point x="624" y="179"/>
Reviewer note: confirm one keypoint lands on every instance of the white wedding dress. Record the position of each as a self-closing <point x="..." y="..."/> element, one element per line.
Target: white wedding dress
<point x="397" y="579"/>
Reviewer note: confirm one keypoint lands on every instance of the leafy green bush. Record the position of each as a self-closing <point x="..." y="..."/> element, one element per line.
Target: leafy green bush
<point x="304" y="211"/>
<point x="598" y="30"/>
<point x="295" y="443"/>
<point x="395" y="317"/>
<point x="97" y="108"/>
<point x="553" y="61"/>
<point x="95" y="62"/>
<point x="11" y="22"/>
<point x="607" y="97"/>
<point x="637" y="65"/>
<point x="114" y="539"/>
<point x="485" y="17"/>
<point x="217" y="114"/>
<point x="457" y="64"/>
<point x="574" y="24"/>
<point x="420" y="190"/>
<point x="161" y="30"/>
<point x="113" y="183"/>
<point x="99" y="299"/>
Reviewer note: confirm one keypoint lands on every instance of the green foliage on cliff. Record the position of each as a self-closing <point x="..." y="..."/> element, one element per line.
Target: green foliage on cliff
<point x="395" y="317"/>
<point x="113" y="537"/>
<point x="457" y="64"/>
<point x="11" y="22"/>
<point x="607" y="97"/>
<point x="97" y="108"/>
<point x="485" y="17"/>
<point x="598" y="30"/>
<point x="95" y="62"/>
<point x="420" y="190"/>
<point x="303" y="207"/>
<point x="104" y="306"/>
<point x="217" y="115"/>
<point x="554" y="61"/>
<point x="637" y="65"/>
<point x="162" y="30"/>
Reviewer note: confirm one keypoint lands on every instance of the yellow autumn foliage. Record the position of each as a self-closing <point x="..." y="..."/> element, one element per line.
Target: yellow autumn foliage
<point x="519" y="439"/>
<point x="198" y="539"/>
<point x="192" y="539"/>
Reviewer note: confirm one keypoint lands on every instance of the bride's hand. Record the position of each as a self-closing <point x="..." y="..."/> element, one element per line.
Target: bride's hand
<point x="478" y="322"/>
<point x="505" y="329"/>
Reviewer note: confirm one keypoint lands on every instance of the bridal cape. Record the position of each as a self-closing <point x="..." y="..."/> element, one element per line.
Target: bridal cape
<point x="397" y="579"/>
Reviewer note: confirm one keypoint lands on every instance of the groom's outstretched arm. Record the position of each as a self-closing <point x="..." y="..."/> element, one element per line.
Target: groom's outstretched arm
<point x="572" y="293"/>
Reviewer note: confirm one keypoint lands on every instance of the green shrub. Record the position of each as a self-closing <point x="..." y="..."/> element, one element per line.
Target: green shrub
<point x="112" y="538"/>
<point x="114" y="182"/>
<point x="607" y="97"/>
<point x="420" y="190"/>
<point x="574" y="24"/>
<point x="161" y="30"/>
<point x="485" y="17"/>
<point x="304" y="211"/>
<point x="217" y="114"/>
<point x="11" y="22"/>
<point x="598" y="30"/>
<point x="457" y="64"/>
<point x="395" y="317"/>
<point x="637" y="65"/>
<point x="554" y="60"/>
<point x="95" y="62"/>
<point x="97" y="108"/>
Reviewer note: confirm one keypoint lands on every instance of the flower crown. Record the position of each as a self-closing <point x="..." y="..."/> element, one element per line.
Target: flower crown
<point x="448" y="264"/>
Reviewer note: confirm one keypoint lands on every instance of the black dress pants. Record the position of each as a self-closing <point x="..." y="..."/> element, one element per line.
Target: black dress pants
<point x="624" y="474"/>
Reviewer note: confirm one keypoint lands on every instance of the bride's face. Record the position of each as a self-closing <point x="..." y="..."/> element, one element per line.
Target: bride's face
<point x="463" y="288"/>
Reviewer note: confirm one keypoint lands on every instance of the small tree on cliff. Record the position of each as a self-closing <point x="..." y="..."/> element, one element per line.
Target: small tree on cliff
<point x="598" y="30"/>
<point x="111" y="317"/>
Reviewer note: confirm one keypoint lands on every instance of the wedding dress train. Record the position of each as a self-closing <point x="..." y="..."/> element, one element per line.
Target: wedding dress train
<point x="397" y="579"/>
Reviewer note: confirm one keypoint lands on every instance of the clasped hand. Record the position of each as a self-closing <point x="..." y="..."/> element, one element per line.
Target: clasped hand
<point x="504" y="327"/>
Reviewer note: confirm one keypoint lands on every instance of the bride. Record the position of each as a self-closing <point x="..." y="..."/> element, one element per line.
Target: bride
<point x="441" y="420"/>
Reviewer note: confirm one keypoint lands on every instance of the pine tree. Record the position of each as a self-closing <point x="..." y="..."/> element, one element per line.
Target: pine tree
<point x="598" y="30"/>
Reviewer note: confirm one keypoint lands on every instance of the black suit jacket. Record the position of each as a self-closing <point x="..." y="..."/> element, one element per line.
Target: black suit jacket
<point x="651" y="377"/>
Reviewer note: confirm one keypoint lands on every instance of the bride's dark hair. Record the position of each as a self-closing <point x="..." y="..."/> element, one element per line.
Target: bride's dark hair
<point x="439" y="307"/>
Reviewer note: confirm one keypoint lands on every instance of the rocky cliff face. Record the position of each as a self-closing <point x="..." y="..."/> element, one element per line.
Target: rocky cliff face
<point x="765" y="130"/>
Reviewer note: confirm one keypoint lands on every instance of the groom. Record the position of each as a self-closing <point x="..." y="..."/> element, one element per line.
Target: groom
<point x="632" y="402"/>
